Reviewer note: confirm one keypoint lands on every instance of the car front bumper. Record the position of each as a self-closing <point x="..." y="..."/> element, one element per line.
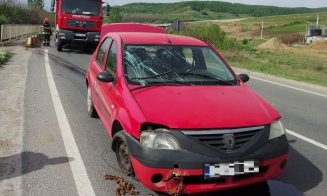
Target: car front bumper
<point x="182" y="171"/>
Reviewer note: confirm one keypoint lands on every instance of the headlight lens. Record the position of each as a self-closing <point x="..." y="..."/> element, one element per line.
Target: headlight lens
<point x="276" y="129"/>
<point x="159" y="139"/>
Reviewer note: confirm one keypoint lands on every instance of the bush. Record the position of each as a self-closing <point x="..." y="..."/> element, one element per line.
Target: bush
<point x="245" y="41"/>
<point x="211" y="33"/>
<point x="11" y="14"/>
<point x="4" y="56"/>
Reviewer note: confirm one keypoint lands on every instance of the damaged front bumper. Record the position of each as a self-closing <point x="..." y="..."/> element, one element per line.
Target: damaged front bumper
<point x="182" y="171"/>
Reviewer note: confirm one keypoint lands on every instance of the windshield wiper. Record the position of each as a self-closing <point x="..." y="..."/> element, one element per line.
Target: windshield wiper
<point x="89" y="13"/>
<point x="154" y="76"/>
<point x="208" y="76"/>
<point x="167" y="83"/>
<point x="160" y="83"/>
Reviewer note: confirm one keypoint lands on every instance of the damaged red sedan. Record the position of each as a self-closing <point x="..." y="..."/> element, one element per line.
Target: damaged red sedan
<point x="180" y="119"/>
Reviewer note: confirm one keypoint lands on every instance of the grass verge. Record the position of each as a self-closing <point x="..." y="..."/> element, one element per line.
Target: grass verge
<point x="4" y="56"/>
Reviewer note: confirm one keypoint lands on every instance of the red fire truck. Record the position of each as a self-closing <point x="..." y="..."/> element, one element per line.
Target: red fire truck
<point x="78" y="22"/>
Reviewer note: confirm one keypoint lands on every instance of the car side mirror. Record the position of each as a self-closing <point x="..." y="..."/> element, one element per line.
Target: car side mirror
<point x="244" y="77"/>
<point x="105" y="77"/>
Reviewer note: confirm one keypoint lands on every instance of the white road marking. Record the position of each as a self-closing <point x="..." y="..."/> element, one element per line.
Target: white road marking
<point x="311" y="141"/>
<point x="291" y="87"/>
<point x="81" y="178"/>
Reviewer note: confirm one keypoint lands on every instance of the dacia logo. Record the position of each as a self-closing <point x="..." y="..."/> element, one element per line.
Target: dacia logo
<point x="229" y="141"/>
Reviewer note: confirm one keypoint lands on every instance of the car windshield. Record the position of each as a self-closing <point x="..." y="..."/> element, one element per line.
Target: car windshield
<point x="160" y="64"/>
<point x="85" y="7"/>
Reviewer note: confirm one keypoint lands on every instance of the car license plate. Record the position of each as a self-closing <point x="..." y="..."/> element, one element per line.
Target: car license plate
<point x="230" y="169"/>
<point x="80" y="35"/>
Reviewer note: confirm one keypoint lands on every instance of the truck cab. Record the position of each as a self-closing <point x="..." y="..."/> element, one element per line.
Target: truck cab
<point x="78" y="22"/>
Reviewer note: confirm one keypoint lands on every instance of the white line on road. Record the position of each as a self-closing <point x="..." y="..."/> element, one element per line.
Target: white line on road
<point x="82" y="181"/>
<point x="291" y="87"/>
<point x="311" y="141"/>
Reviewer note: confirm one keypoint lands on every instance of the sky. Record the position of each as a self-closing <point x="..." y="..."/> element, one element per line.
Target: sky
<point x="280" y="3"/>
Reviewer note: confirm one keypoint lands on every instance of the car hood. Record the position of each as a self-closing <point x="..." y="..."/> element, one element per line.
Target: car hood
<point x="199" y="107"/>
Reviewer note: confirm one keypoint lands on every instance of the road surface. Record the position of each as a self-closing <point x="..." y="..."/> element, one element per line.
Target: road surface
<point x="73" y="158"/>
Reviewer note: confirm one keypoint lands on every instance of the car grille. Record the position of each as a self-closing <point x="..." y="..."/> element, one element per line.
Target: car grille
<point x="225" y="140"/>
<point x="77" y="23"/>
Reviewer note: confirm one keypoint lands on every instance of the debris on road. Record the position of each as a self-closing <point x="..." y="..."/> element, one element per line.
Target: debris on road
<point x="124" y="187"/>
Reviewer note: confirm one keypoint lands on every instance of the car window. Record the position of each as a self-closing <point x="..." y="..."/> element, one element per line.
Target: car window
<point x="111" y="64"/>
<point x="102" y="51"/>
<point x="215" y="65"/>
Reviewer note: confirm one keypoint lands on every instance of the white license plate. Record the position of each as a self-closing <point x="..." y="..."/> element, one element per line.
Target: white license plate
<point x="80" y="35"/>
<point x="230" y="169"/>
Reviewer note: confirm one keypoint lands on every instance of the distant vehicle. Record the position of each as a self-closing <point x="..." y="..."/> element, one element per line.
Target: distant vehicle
<point x="78" y="22"/>
<point x="180" y="119"/>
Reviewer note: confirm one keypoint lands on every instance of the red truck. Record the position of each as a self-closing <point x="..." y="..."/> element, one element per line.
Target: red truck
<point x="78" y="22"/>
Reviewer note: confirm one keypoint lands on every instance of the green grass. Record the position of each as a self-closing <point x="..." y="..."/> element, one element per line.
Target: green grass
<point x="284" y="64"/>
<point x="203" y="10"/>
<point x="289" y="23"/>
<point x="4" y="56"/>
<point x="301" y="27"/>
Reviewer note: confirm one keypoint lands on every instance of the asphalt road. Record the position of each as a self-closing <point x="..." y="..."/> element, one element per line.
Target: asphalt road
<point x="47" y="167"/>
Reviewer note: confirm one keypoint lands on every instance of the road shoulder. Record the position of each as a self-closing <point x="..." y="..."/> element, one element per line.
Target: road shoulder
<point x="12" y="88"/>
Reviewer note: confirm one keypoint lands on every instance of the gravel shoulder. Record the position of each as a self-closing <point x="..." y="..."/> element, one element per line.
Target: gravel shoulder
<point x="12" y="87"/>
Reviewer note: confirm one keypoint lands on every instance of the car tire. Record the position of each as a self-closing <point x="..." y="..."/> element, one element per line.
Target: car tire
<point x="90" y="107"/>
<point x="122" y="154"/>
<point x="59" y="46"/>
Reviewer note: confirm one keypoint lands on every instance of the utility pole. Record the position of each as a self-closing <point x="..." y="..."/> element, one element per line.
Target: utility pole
<point x="262" y="28"/>
<point x="317" y="20"/>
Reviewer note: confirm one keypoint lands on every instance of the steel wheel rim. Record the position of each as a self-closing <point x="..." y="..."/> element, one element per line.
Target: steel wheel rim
<point x="123" y="157"/>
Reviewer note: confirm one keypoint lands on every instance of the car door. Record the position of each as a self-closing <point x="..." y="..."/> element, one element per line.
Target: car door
<point x="107" y="91"/>
<point x="96" y="67"/>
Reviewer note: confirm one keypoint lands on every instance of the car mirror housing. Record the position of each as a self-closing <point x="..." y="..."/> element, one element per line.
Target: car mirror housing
<point x="244" y="77"/>
<point x="105" y="77"/>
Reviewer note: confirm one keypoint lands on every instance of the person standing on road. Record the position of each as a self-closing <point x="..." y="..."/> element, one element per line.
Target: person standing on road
<point x="46" y="31"/>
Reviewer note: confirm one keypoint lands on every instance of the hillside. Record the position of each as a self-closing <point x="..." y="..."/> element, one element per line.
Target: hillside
<point x="203" y="10"/>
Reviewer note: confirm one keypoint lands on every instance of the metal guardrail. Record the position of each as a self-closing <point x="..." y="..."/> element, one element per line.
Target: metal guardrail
<point x="13" y="31"/>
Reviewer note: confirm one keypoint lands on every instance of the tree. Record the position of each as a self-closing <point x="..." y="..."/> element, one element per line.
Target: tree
<point x="116" y="15"/>
<point x="36" y="3"/>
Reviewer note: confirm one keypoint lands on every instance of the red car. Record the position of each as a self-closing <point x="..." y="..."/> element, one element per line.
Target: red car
<point x="180" y="119"/>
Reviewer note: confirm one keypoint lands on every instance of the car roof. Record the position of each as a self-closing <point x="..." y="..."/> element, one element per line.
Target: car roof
<point x="157" y="38"/>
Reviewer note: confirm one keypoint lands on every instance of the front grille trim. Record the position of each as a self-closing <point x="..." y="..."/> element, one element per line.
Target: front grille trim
<point x="222" y="131"/>
<point x="214" y="138"/>
<point x="75" y="23"/>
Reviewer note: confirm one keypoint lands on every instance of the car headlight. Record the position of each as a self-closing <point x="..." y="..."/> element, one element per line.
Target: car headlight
<point x="276" y="129"/>
<point x="159" y="139"/>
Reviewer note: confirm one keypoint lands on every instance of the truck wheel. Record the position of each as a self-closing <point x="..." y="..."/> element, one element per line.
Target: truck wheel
<point x="122" y="154"/>
<point x="90" y="107"/>
<point x="59" y="46"/>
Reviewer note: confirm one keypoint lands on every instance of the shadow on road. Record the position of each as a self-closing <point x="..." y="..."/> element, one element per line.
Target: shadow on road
<point x="28" y="161"/>
<point x="301" y="172"/>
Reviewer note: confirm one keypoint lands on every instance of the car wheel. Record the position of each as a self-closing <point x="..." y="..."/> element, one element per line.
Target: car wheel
<point x="90" y="107"/>
<point x="122" y="154"/>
